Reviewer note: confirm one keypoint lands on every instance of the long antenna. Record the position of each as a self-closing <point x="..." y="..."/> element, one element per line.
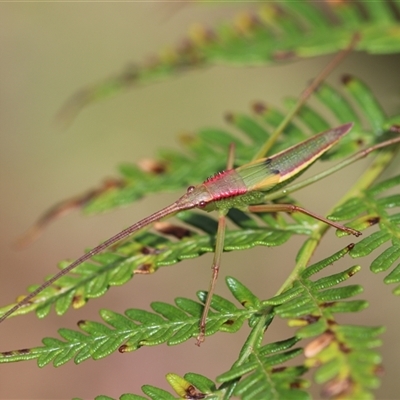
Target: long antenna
<point x="171" y="209"/>
<point x="177" y="206"/>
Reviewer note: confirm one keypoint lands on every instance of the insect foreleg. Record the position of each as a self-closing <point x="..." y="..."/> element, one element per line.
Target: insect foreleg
<point x="290" y="208"/>
<point x="219" y="247"/>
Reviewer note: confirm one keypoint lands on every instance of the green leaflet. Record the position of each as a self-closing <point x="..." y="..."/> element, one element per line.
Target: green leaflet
<point x="381" y="209"/>
<point x="204" y="384"/>
<point x="361" y="93"/>
<point x="156" y="393"/>
<point x="248" y="126"/>
<point x="314" y="121"/>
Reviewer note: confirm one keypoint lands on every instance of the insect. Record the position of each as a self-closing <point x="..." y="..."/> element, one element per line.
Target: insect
<point x="243" y="188"/>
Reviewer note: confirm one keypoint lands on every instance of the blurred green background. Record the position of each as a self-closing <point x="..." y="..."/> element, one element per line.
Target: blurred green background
<point x="50" y="50"/>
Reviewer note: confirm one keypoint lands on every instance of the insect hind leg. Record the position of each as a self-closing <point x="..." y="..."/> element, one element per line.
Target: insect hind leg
<point x="290" y="208"/>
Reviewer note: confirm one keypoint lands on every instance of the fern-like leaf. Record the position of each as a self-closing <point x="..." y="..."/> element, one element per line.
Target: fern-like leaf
<point x="377" y="207"/>
<point x="146" y="252"/>
<point x="266" y="375"/>
<point x="342" y="354"/>
<point x="171" y="324"/>
<point x="310" y="305"/>
<point x="277" y="32"/>
<point x="191" y="386"/>
<point x="208" y="148"/>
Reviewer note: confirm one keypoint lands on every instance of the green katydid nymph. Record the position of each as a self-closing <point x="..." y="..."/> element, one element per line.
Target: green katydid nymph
<point x="243" y="188"/>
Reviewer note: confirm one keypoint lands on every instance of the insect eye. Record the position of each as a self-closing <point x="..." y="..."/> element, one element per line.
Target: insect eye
<point x="202" y="204"/>
<point x="190" y="189"/>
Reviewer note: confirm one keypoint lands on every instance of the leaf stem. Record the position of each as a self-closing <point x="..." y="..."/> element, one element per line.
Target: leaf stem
<point x="305" y="95"/>
<point x="253" y="342"/>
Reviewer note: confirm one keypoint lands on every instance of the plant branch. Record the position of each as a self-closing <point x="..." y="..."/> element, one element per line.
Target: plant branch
<point x="305" y="95"/>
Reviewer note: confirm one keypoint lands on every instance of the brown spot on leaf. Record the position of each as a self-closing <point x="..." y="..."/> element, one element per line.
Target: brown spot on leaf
<point x="350" y="246"/>
<point x="173" y="230"/>
<point x="77" y="299"/>
<point x="245" y="22"/>
<point x="123" y="348"/>
<point x="188" y="138"/>
<point x="185" y="46"/>
<point x="201" y="35"/>
<point x="336" y="387"/>
<point x="259" y="107"/>
<point x="278" y="369"/>
<point x="351" y="273"/>
<point x="147" y="250"/>
<point x="81" y="323"/>
<point x="328" y="304"/>
<point x="193" y="394"/>
<point x="317" y="363"/>
<point x="346" y="79"/>
<point x="24" y="351"/>
<point x="295" y="385"/>
<point x="395" y="128"/>
<point x="318" y="344"/>
<point x="359" y="142"/>
<point x="152" y="166"/>
<point x="373" y="220"/>
<point x="229" y="117"/>
<point x="311" y="319"/>
<point x="144" y="269"/>
<point x="229" y="322"/>
<point x="7" y="353"/>
<point x="284" y="55"/>
<point x="343" y="348"/>
<point x="379" y="370"/>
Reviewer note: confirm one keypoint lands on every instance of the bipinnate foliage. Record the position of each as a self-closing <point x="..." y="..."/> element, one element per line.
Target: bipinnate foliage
<point x="374" y="206"/>
<point x="145" y="252"/>
<point x="343" y="354"/>
<point x="343" y="357"/>
<point x="274" y="32"/>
